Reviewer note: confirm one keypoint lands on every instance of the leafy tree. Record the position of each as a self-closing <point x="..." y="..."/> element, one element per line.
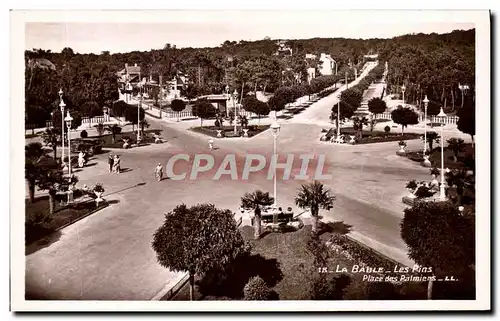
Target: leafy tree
<point x="456" y="145"/>
<point x="253" y="105"/>
<point x="346" y="112"/>
<point x="84" y="134"/>
<point x="33" y="154"/>
<point x="377" y="105"/>
<point x="276" y="103"/>
<point x="91" y="109"/>
<point x="203" y="109"/>
<point x="119" y="107"/>
<point x="197" y="239"/>
<point x="467" y="121"/>
<point x="131" y="115"/>
<point x="439" y="236"/>
<point x="257" y="290"/>
<point x="432" y="137"/>
<point x="352" y="97"/>
<point x="404" y="116"/>
<point x="314" y="196"/>
<point x="178" y="105"/>
<point x="254" y="201"/>
<point x="114" y="130"/>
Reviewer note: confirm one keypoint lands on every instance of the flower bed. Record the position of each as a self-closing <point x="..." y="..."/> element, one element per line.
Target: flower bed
<point x="39" y="223"/>
<point x="228" y="131"/>
<point x="370" y="137"/>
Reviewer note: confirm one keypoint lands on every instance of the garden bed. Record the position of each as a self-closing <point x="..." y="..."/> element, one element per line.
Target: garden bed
<point x="435" y="157"/>
<point x="370" y="137"/>
<point x="228" y="131"/>
<point x="107" y="139"/>
<point x="284" y="261"/>
<point x="40" y="224"/>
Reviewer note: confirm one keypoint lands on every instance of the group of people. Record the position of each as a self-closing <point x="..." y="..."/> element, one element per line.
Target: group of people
<point x="114" y="163"/>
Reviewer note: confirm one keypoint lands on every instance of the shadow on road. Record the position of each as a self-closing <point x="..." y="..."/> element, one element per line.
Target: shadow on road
<point x="124" y="189"/>
<point x="126" y="169"/>
<point x="43" y="243"/>
<point x="338" y="227"/>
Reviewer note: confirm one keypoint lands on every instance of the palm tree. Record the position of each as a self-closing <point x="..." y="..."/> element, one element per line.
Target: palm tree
<point x="314" y="196"/>
<point x="113" y="129"/>
<point x="51" y="181"/>
<point x="359" y="122"/>
<point x="50" y="138"/>
<point x="144" y="123"/>
<point x="254" y="201"/>
<point x="456" y="145"/>
<point x="33" y="154"/>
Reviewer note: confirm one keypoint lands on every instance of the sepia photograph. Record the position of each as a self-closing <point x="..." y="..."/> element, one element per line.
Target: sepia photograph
<point x="176" y="160"/>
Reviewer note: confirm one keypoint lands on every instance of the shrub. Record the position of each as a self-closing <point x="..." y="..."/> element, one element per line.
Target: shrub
<point x="84" y="134"/>
<point x="402" y="143"/>
<point x="435" y="171"/>
<point x="423" y="192"/>
<point x="328" y="287"/>
<point x="98" y="188"/>
<point x="358" y="252"/>
<point x="256" y="289"/>
<point x="387" y="129"/>
<point x="411" y="184"/>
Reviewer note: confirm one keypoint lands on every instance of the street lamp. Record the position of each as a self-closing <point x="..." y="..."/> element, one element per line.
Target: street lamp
<point x="68" y="119"/>
<point x="403" y="88"/>
<point x="275" y="131"/>
<point x="441" y="117"/>
<point x="62" y="105"/>
<point x="426" y="158"/>
<point x="139" y="113"/>
<point x="227" y="101"/>
<point x="338" y="118"/>
<point x="235" y="97"/>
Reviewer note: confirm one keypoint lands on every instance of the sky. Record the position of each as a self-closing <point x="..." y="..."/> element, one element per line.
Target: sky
<point x="125" y="32"/>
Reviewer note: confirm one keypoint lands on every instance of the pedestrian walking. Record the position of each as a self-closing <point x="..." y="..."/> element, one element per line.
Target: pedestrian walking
<point x="111" y="160"/>
<point x="159" y="172"/>
<point x="81" y="159"/>
<point x="116" y="165"/>
<point x="211" y="144"/>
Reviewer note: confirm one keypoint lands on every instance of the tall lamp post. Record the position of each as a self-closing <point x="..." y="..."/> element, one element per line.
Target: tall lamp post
<point x="441" y="117"/>
<point x="426" y="157"/>
<point x="62" y="105"/>
<point x="403" y="88"/>
<point x="227" y="101"/>
<point x="235" y="100"/>
<point x="275" y="131"/>
<point x="139" y="113"/>
<point x="68" y="119"/>
<point x="338" y="118"/>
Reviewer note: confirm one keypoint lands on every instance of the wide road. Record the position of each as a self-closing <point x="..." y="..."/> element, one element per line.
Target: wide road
<point x="108" y="255"/>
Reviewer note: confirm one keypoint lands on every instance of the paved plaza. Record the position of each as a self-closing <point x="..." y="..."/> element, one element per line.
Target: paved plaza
<point x="108" y="255"/>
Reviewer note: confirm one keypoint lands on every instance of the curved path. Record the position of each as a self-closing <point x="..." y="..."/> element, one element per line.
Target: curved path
<point x="108" y="255"/>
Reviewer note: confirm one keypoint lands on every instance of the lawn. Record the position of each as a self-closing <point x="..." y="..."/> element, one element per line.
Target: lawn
<point x="285" y="263"/>
<point x="228" y="131"/>
<point x="39" y="223"/>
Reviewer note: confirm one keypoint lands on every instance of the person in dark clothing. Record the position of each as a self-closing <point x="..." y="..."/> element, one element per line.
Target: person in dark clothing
<point x="110" y="162"/>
